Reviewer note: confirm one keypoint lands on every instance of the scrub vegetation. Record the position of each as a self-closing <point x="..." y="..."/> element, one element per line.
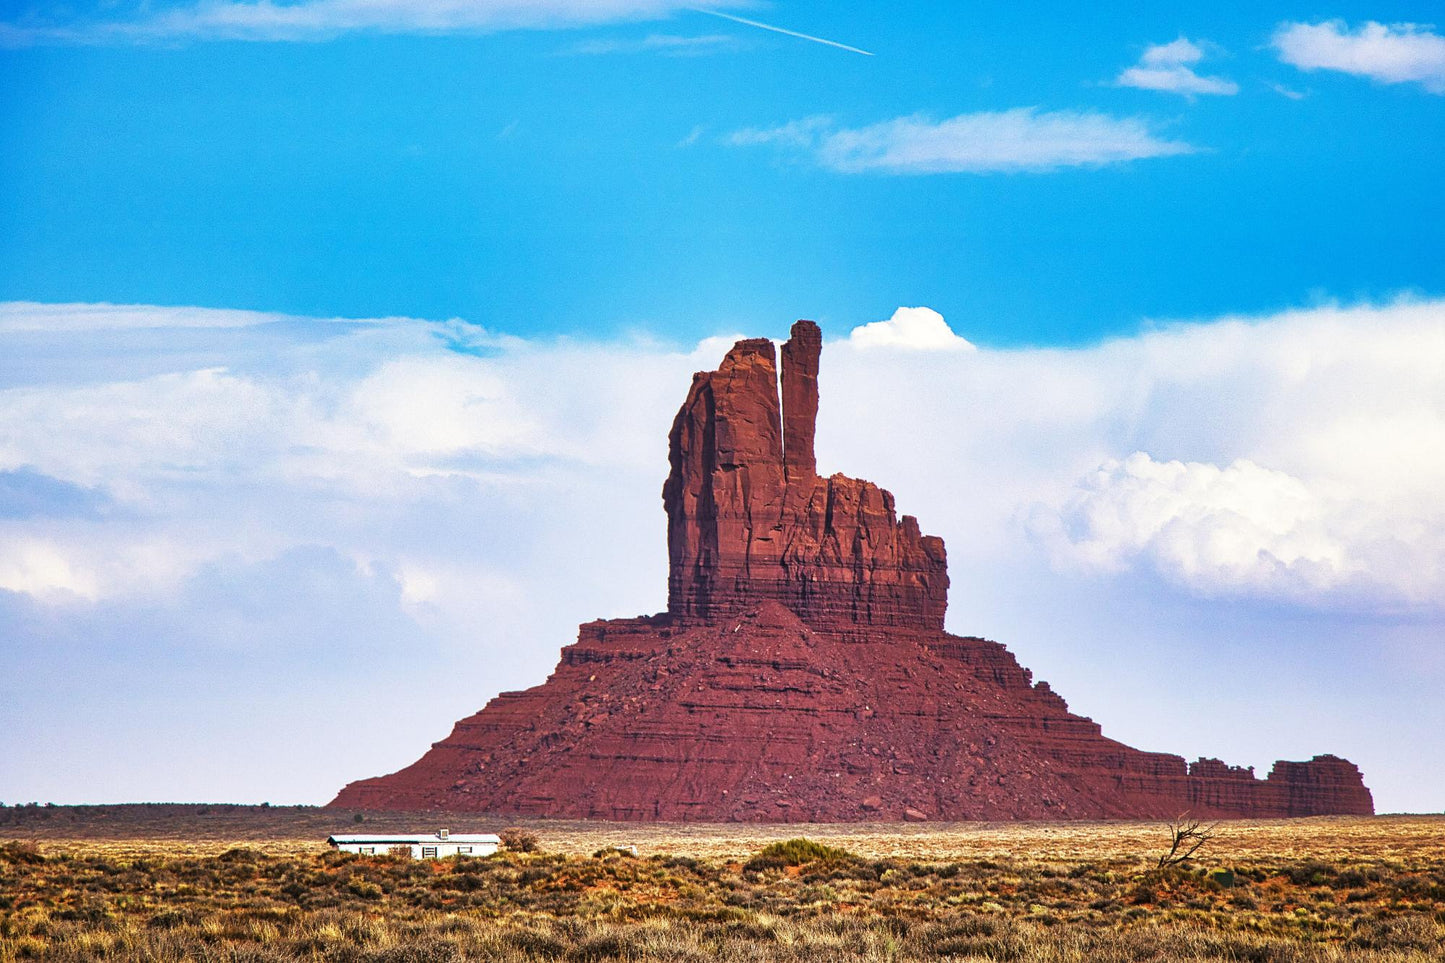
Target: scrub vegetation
<point x="1312" y="890"/>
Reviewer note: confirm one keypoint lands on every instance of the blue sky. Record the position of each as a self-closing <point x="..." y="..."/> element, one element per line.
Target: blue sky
<point x="512" y="179"/>
<point x="538" y="218"/>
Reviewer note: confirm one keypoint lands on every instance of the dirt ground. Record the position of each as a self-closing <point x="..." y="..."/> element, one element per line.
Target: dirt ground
<point x="212" y="829"/>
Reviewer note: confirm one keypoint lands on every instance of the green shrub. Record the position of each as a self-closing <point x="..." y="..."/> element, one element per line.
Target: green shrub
<point x="797" y="852"/>
<point x="21" y="852"/>
<point x="1311" y="873"/>
<point x="364" y="888"/>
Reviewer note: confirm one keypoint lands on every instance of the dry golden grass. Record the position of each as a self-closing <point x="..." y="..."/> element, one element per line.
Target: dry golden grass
<point x="211" y="829"/>
<point x="171" y="883"/>
<point x="1339" y="837"/>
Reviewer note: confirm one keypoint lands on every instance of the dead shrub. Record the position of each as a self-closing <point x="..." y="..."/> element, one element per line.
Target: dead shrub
<point x="519" y="840"/>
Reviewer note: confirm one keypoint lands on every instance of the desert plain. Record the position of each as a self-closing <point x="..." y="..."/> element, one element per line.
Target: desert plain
<point x="259" y="883"/>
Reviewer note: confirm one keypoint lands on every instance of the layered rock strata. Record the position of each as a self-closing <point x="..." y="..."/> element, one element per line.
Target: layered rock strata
<point x="801" y="671"/>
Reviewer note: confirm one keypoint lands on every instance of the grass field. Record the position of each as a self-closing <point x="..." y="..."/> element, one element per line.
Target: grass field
<point x="258" y="884"/>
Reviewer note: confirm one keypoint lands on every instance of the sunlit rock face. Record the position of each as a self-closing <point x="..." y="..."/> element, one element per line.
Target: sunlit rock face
<point x="749" y="519"/>
<point x="801" y="671"/>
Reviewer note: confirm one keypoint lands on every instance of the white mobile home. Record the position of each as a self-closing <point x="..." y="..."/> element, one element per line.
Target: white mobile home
<point x="438" y="845"/>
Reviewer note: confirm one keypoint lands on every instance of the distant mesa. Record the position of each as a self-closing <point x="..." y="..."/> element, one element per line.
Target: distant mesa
<point x="801" y="671"/>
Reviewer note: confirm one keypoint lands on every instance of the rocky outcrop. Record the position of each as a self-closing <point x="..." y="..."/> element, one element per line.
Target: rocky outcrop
<point x="749" y="519"/>
<point x="801" y="672"/>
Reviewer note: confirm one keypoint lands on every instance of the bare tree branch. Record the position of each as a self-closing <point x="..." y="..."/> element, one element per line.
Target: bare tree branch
<point x="1186" y="837"/>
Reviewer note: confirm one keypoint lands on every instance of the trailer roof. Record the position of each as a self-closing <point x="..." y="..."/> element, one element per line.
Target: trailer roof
<point x="414" y="839"/>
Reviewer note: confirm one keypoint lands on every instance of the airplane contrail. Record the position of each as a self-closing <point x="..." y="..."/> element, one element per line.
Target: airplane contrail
<point x="790" y="33"/>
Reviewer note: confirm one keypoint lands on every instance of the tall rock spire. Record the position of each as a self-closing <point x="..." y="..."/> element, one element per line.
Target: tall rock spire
<point x="800" y="401"/>
<point x="748" y="518"/>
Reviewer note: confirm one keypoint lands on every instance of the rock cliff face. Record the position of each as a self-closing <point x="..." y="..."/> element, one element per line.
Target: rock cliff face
<point x="801" y="672"/>
<point x="749" y="519"/>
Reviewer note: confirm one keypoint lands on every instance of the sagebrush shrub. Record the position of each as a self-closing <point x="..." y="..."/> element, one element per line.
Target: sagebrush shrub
<point x="520" y="840"/>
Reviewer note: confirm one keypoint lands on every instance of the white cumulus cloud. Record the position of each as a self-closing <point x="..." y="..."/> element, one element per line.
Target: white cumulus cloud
<point x="1022" y="139"/>
<point x="1388" y="53"/>
<point x="920" y="329"/>
<point x="1170" y="67"/>
<point x="1218" y="530"/>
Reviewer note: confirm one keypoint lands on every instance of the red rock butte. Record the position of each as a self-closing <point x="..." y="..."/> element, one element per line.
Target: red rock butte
<point x="801" y="671"/>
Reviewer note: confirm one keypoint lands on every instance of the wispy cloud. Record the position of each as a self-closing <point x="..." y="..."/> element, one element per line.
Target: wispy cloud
<point x="783" y="30"/>
<point x="313" y="20"/>
<point x="1023" y="139"/>
<point x="18" y="316"/>
<point x="1397" y="53"/>
<point x="1170" y="67"/>
<point x="671" y="45"/>
<point x="795" y="133"/>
